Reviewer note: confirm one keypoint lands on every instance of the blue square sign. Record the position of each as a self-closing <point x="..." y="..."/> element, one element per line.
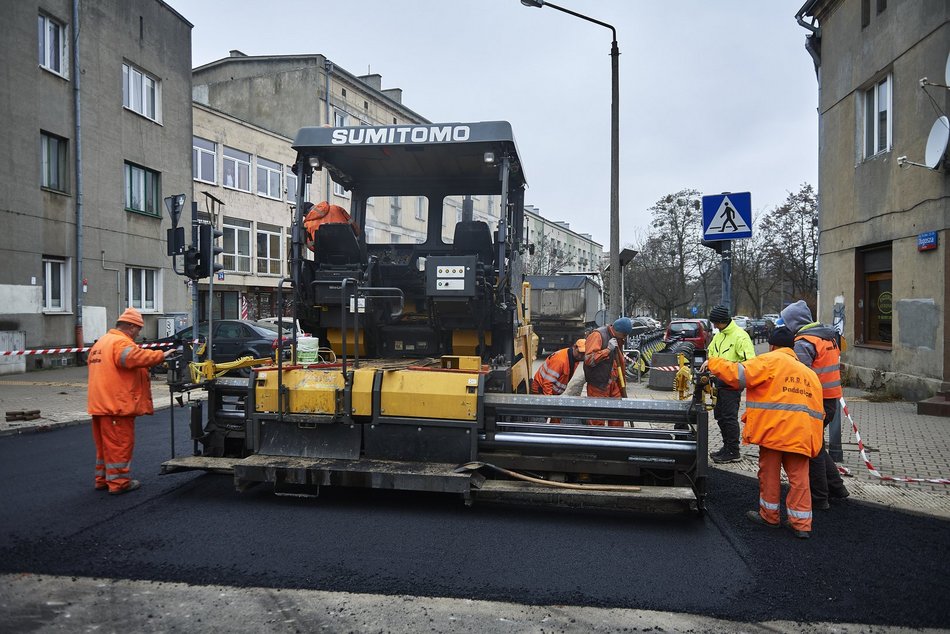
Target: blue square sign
<point x="727" y="216"/>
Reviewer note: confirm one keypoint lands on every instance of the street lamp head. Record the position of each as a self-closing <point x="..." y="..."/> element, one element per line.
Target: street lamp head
<point x="533" y="3"/>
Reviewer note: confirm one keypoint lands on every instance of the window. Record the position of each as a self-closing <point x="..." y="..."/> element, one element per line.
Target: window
<point x="421" y="204"/>
<point x="55" y="284"/>
<point x="340" y="119"/>
<point x="865" y="13"/>
<point x="54" y="157"/>
<point x="52" y="45"/>
<point x="237" y="245"/>
<point x="268" y="249"/>
<point x="268" y="178"/>
<point x="143" y="289"/>
<point x="204" y="160"/>
<point x="881" y="5"/>
<point x="237" y="169"/>
<point x="877" y="122"/>
<point x="291" y="180"/>
<point x="395" y="209"/>
<point x="142" y="190"/>
<point x="873" y="296"/>
<point x="141" y="92"/>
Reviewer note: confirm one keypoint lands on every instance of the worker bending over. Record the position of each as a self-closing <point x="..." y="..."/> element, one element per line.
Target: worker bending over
<point x="321" y="214"/>
<point x="556" y="371"/>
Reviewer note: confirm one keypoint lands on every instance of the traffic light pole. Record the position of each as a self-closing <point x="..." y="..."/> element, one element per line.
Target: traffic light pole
<point x="194" y="283"/>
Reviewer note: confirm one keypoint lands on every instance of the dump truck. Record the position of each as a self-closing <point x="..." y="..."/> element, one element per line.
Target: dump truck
<point x="425" y="351"/>
<point x="564" y="308"/>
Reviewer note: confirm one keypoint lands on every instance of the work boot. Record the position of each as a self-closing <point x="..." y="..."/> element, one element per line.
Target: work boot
<point x="133" y="485"/>
<point x="820" y="505"/>
<point x="840" y="494"/>
<point x="797" y="533"/>
<point x="755" y="518"/>
<point x="725" y="456"/>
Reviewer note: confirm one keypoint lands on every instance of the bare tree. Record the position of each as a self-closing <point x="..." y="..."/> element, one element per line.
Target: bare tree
<point x="753" y="273"/>
<point x="791" y="234"/>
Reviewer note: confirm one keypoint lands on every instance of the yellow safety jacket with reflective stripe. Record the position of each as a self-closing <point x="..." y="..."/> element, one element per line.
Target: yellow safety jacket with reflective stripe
<point x="827" y="361"/>
<point x="118" y="376"/>
<point x="783" y="409"/>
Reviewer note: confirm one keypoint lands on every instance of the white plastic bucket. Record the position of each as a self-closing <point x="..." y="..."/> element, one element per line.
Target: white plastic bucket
<point x="308" y="349"/>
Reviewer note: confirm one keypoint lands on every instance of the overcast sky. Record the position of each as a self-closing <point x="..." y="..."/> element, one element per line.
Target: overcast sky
<point x="716" y="95"/>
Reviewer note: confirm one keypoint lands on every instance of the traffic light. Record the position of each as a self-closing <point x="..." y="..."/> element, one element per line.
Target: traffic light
<point x="722" y="247"/>
<point x="208" y="251"/>
<point x="192" y="268"/>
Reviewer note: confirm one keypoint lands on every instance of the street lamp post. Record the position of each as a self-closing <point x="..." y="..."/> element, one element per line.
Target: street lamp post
<point x="616" y="301"/>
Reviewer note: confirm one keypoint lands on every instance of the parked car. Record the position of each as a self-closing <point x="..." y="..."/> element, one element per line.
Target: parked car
<point x="742" y="321"/>
<point x="233" y="339"/>
<point x="694" y="331"/>
<point x="286" y="323"/>
<point x="759" y="329"/>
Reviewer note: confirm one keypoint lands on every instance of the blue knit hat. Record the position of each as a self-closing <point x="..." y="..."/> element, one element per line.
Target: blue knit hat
<point x="624" y="326"/>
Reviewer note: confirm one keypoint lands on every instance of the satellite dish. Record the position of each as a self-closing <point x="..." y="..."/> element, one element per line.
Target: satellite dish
<point x="937" y="142"/>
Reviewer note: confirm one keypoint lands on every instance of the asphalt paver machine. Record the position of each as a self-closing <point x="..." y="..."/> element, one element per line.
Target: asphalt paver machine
<point x="426" y="348"/>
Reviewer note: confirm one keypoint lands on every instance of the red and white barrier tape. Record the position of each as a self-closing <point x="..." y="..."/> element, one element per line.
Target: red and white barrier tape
<point x="664" y="368"/>
<point x="874" y="472"/>
<point x="8" y="353"/>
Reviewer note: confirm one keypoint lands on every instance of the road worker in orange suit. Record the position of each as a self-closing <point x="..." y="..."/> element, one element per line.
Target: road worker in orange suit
<point x="556" y="371"/>
<point x="603" y="363"/>
<point x="321" y="214"/>
<point x="119" y="390"/>
<point x="816" y="345"/>
<point x="783" y="417"/>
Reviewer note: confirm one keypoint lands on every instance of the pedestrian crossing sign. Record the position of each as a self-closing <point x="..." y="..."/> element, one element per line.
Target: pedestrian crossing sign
<point x="727" y="216"/>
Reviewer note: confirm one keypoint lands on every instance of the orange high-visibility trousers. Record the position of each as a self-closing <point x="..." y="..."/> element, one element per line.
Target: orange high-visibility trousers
<point x="612" y="391"/>
<point x="798" y="500"/>
<point x="115" y="439"/>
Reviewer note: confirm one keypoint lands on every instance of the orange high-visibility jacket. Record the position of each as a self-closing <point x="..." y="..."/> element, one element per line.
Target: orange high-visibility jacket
<point x="554" y="374"/>
<point x="783" y="409"/>
<point x="324" y="213"/>
<point x="118" y="376"/>
<point x="827" y="359"/>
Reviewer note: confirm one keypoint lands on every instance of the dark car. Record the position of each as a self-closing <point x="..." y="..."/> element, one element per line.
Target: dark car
<point x="233" y="339"/>
<point x="758" y="329"/>
<point x="691" y="330"/>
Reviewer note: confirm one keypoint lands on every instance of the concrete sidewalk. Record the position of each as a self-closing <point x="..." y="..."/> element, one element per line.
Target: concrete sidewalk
<point x="899" y="442"/>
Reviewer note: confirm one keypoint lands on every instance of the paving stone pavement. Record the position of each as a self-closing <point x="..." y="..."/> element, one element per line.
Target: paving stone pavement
<point x="899" y="442"/>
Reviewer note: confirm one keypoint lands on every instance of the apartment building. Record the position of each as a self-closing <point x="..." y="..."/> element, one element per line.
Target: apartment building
<point x="884" y="261"/>
<point x="96" y="127"/>
<point x="557" y="247"/>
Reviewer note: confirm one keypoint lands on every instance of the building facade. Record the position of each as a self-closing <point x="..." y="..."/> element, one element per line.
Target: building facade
<point x="880" y="277"/>
<point x="81" y="199"/>
<point x="559" y="248"/>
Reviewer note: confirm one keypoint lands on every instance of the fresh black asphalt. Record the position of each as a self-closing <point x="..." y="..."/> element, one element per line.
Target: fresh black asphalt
<point x="863" y="565"/>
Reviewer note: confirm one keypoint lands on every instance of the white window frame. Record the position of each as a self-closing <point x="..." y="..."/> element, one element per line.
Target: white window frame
<point x="54" y="160"/>
<point x="141" y="92"/>
<point x="139" y="297"/>
<point x="61" y="266"/>
<point x="236" y="242"/>
<point x="53" y="55"/>
<point x="421" y="207"/>
<point x="872" y="127"/>
<point x="200" y="152"/>
<point x="340" y="120"/>
<point x="238" y="163"/>
<point x="290" y="185"/>
<point x="149" y="182"/>
<point x="268" y="178"/>
<point x="395" y="211"/>
<point x="269" y="263"/>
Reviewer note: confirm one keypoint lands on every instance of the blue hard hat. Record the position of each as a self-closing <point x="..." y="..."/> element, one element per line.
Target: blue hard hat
<point x="624" y="326"/>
